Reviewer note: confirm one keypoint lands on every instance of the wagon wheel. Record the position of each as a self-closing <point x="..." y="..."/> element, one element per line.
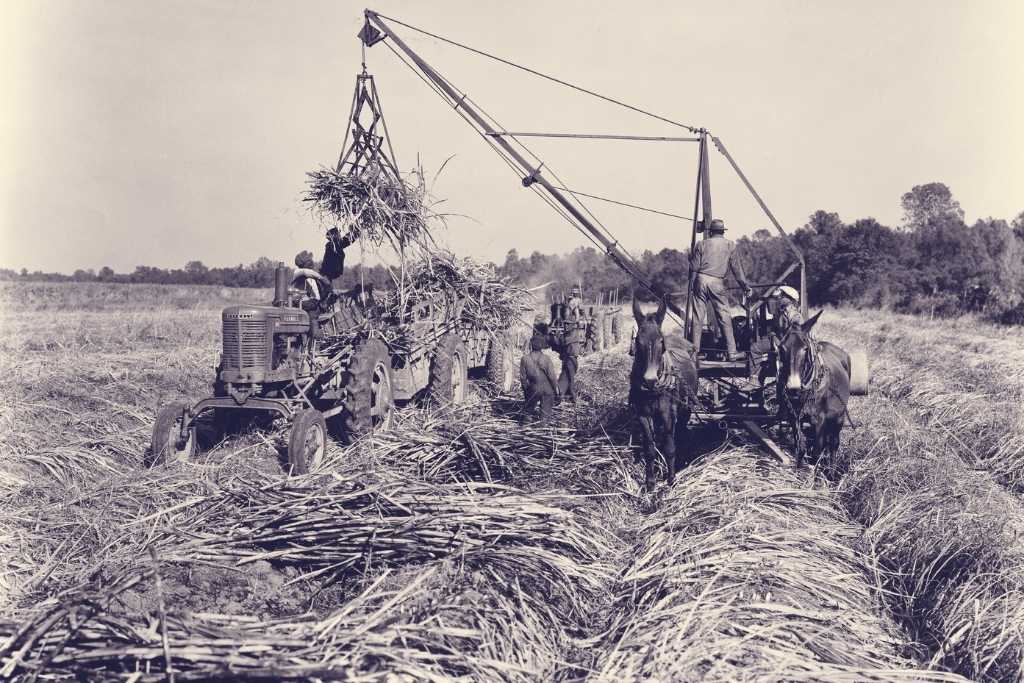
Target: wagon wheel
<point x="307" y="442"/>
<point x="382" y="400"/>
<point x="369" y="396"/>
<point x="499" y="368"/>
<point x="449" y="372"/>
<point x="617" y="328"/>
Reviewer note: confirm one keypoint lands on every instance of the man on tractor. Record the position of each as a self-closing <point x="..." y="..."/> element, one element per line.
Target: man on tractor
<point x="575" y="305"/>
<point x="317" y="284"/>
<point x="711" y="260"/>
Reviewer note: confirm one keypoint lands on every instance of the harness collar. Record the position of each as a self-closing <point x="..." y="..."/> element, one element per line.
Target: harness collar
<point x="819" y="377"/>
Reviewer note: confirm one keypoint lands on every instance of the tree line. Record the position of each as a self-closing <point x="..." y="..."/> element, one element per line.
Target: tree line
<point x="259" y="273"/>
<point x="933" y="263"/>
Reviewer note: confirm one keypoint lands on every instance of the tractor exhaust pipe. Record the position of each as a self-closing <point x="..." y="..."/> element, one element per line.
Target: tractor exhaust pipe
<point x="281" y="285"/>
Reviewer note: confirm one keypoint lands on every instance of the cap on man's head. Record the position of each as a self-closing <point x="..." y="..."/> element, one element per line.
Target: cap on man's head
<point x="717" y="225"/>
<point x="304" y="259"/>
<point x="790" y="293"/>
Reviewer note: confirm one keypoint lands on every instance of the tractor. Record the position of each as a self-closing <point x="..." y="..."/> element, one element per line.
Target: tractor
<point x="273" y="367"/>
<point x="600" y="326"/>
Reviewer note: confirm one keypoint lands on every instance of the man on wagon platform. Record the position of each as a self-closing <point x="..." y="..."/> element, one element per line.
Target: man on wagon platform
<point x="318" y="283"/>
<point x="711" y="260"/>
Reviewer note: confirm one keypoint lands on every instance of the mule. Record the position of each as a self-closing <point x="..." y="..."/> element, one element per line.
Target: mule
<point x="661" y="391"/>
<point x="814" y="389"/>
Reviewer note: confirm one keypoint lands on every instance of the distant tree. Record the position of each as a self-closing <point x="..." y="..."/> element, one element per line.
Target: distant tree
<point x="928" y="203"/>
<point x="868" y="264"/>
<point x="816" y="239"/>
<point x="948" y="255"/>
<point x="106" y="274"/>
<point x="998" y="283"/>
<point x="1018" y="225"/>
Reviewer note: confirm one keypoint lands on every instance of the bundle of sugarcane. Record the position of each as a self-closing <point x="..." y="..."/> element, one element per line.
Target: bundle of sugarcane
<point x="336" y="526"/>
<point x="462" y="287"/>
<point x="471" y="443"/>
<point x="430" y="627"/>
<point x="57" y="537"/>
<point x="380" y="206"/>
<point x="745" y="574"/>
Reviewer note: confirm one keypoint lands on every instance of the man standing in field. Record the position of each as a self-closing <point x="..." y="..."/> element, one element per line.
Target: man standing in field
<point x="569" y="354"/>
<point x="573" y="341"/>
<point x="537" y="375"/>
<point x="711" y="260"/>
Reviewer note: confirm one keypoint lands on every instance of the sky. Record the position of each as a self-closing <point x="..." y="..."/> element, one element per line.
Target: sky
<point x="158" y="133"/>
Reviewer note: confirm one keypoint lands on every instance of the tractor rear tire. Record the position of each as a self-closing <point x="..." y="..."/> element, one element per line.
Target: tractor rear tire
<point x="449" y="372"/>
<point x="860" y="373"/>
<point x="166" y="430"/>
<point x="370" y="395"/>
<point x="307" y="442"/>
<point x="499" y="368"/>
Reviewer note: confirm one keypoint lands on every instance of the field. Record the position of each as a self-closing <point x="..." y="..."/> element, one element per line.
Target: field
<point x="462" y="546"/>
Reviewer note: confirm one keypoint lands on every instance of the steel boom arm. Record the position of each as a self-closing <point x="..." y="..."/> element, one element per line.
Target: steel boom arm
<point x="530" y="174"/>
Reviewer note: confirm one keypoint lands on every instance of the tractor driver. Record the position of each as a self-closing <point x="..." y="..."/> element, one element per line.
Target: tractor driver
<point x="711" y="259"/>
<point x="575" y="305"/>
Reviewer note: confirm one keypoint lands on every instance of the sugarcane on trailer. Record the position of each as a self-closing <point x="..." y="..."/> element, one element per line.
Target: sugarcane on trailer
<point x="732" y="393"/>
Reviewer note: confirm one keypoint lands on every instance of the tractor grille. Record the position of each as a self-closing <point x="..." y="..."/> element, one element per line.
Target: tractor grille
<point x="245" y="344"/>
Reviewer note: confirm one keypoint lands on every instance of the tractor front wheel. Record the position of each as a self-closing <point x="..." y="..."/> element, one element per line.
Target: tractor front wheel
<point x="449" y="372"/>
<point x="167" y="442"/>
<point x="307" y="442"/>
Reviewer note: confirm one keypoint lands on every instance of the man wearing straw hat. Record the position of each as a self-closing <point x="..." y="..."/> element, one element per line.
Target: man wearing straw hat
<point x="537" y="376"/>
<point x="711" y="260"/>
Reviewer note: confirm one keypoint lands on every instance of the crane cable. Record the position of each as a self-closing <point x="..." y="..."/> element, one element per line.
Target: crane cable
<point x="560" y="183"/>
<point x="513" y="167"/>
<point x="501" y="154"/>
<point x="527" y="69"/>
<point x="607" y="233"/>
